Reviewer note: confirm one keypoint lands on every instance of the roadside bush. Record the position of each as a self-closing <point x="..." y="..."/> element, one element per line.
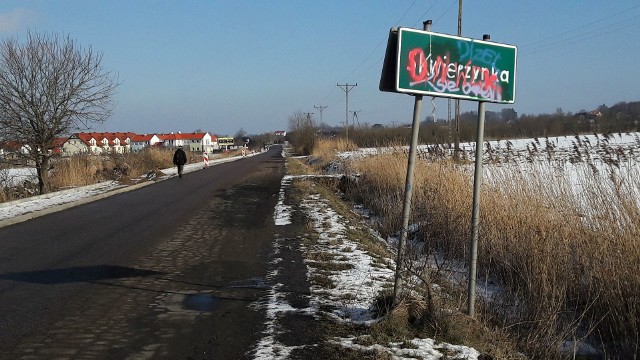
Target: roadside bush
<point x="4" y="184"/>
<point x="303" y="140"/>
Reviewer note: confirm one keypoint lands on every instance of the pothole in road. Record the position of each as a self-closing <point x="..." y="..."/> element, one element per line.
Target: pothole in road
<point x="200" y="302"/>
<point x="185" y="304"/>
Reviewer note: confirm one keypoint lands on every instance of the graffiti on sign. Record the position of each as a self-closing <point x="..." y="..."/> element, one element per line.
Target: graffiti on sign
<point x="443" y="65"/>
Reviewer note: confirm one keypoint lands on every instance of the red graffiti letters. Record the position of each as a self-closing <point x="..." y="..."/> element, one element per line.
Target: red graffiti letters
<point x="444" y="76"/>
<point x="417" y="67"/>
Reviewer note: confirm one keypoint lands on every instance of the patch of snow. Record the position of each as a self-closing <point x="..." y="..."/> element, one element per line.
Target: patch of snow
<point x="268" y="347"/>
<point x="361" y="281"/>
<point x="282" y="213"/>
<point x="355" y="288"/>
<point x="12" y="209"/>
<point x="425" y="349"/>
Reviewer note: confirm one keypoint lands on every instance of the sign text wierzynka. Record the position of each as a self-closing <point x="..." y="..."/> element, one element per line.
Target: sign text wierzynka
<point x="435" y="64"/>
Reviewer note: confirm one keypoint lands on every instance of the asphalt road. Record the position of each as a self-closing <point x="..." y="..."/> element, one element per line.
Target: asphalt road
<point x="167" y="271"/>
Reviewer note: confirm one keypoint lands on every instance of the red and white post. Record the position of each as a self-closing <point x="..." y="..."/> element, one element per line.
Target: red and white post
<point x="205" y="158"/>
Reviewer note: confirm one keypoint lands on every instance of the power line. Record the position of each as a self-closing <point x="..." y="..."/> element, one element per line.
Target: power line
<point x="381" y="41"/>
<point x="374" y="50"/>
<point x="453" y="2"/>
<point x="588" y="35"/>
<point x="377" y="62"/>
<point x="561" y="39"/>
<point x="545" y="40"/>
<point x="420" y="19"/>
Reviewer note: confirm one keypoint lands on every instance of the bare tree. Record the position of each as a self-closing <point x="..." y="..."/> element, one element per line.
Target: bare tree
<point x="50" y="87"/>
<point x="296" y="121"/>
<point x="240" y="133"/>
<point x="302" y="132"/>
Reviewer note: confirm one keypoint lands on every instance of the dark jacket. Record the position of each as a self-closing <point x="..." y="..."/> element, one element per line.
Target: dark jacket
<point x="179" y="157"/>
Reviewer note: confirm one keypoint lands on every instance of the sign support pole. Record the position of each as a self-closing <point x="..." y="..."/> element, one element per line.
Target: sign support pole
<point x="406" y="208"/>
<point x="475" y="215"/>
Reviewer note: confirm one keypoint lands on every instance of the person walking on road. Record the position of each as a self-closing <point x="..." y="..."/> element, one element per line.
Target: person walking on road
<point x="179" y="159"/>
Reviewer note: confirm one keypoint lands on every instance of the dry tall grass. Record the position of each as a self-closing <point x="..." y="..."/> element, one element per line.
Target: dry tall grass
<point x="75" y="171"/>
<point x="150" y="159"/>
<point x="326" y="149"/>
<point x="567" y="261"/>
<point x="89" y="169"/>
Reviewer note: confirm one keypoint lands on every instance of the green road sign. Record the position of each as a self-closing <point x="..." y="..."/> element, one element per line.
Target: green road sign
<point x="428" y="63"/>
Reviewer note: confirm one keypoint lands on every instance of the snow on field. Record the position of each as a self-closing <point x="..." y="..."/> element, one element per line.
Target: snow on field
<point x="13" y="177"/>
<point x="571" y="160"/>
<point x="605" y="164"/>
<point x="615" y="149"/>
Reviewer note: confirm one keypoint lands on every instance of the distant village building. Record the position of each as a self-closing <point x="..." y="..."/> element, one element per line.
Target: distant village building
<point x="591" y="115"/>
<point x="97" y="143"/>
<point x="139" y="142"/>
<point x="196" y="142"/>
<point x="226" y="143"/>
<point x="76" y="144"/>
<point x="57" y="146"/>
<point x="100" y="143"/>
<point x="12" y="151"/>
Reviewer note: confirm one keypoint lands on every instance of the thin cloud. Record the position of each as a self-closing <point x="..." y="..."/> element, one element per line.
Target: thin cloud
<point x="16" y="20"/>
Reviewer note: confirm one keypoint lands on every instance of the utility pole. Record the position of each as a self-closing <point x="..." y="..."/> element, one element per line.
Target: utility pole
<point x="321" y="108"/>
<point x="346" y="88"/>
<point x="308" y="118"/>
<point x="355" y="117"/>
<point x="456" y="135"/>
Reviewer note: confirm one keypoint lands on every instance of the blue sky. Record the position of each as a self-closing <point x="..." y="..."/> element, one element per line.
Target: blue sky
<point x="221" y="66"/>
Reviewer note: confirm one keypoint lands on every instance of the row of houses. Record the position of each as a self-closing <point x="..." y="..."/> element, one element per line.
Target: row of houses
<point x="123" y="142"/>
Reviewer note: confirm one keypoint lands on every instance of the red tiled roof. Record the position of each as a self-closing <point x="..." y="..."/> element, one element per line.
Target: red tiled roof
<point x="59" y="141"/>
<point x="144" y="137"/>
<point x="182" y="136"/>
<point x="111" y="137"/>
<point x="10" y="145"/>
<point x="98" y="136"/>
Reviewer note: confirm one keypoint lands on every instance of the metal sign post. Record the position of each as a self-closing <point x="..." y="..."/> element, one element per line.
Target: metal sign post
<point x="408" y="187"/>
<point x="475" y="209"/>
<point x="426" y="63"/>
<point x="475" y="214"/>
